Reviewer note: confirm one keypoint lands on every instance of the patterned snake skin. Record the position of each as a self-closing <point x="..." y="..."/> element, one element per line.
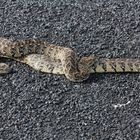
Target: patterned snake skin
<point x="50" y="58"/>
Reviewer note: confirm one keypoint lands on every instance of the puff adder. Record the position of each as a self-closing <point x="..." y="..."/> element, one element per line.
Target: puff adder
<point x="49" y="58"/>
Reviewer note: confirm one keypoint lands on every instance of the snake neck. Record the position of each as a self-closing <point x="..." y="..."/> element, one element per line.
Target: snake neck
<point x="103" y="65"/>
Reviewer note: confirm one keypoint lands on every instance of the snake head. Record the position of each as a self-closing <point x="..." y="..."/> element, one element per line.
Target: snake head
<point x="76" y="73"/>
<point x="87" y="62"/>
<point x="84" y="69"/>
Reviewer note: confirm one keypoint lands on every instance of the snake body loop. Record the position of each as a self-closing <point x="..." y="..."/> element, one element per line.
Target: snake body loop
<point x="50" y="58"/>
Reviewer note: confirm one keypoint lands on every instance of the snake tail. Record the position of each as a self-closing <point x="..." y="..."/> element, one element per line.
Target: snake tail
<point x="103" y="65"/>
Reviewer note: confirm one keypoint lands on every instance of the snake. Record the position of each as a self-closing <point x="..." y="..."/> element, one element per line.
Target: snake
<point x="49" y="58"/>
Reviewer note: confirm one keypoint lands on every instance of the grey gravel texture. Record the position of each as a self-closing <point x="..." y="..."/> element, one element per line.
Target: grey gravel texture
<point x="38" y="106"/>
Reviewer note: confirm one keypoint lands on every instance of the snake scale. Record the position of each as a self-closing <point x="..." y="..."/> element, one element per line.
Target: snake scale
<point x="50" y="58"/>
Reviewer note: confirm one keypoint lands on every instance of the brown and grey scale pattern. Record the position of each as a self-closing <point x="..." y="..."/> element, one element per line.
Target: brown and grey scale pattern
<point x="50" y="58"/>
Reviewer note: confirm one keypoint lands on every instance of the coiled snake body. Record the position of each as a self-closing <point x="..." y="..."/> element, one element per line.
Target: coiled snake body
<point x="50" y="58"/>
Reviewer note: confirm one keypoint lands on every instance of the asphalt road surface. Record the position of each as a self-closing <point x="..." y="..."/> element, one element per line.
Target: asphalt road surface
<point x="38" y="106"/>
